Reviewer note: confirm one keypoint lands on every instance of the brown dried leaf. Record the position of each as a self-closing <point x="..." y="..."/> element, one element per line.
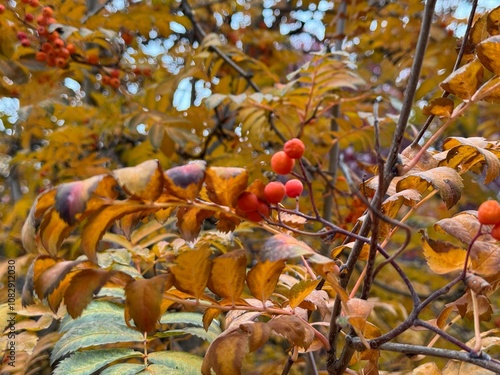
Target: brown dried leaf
<point x="185" y="181"/>
<point x="464" y="368"/>
<point x="192" y="270"/>
<point x="144" y="181"/>
<point x="442" y="257"/>
<point x="425" y="162"/>
<point x="258" y="334"/>
<point x="300" y="291"/>
<point x="493" y="22"/>
<point x="209" y="315"/>
<point x="471" y="153"/>
<point x="225" y="184"/>
<point x="478" y="31"/>
<point x="227" y="278"/>
<point x="359" y="308"/>
<point x="296" y="330"/>
<point x="53" y="231"/>
<point x="100" y="221"/>
<point x="465" y="307"/>
<point x="143" y="300"/>
<point x="282" y="246"/>
<point x="441" y="107"/>
<point x="488" y="51"/>
<point x="225" y="354"/>
<point x="429" y="368"/>
<point x="477" y="284"/>
<point x="445" y="180"/>
<point x="189" y="220"/>
<point x="465" y="81"/>
<point x="263" y="277"/>
<point x="83" y="286"/>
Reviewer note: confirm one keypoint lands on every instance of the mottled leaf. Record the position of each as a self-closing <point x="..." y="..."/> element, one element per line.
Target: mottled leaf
<point x="442" y="257"/>
<point x="144" y="181"/>
<point x="185" y="181"/>
<point x="441" y="107"/>
<point x="227" y="278"/>
<point x="464" y="368"/>
<point x="300" y="291"/>
<point x="263" y="277"/>
<point x="445" y="180"/>
<point x="53" y="231"/>
<point x="296" y="330"/>
<point x="31" y="241"/>
<point x="225" y="184"/>
<point x="88" y="362"/>
<point x="83" y="286"/>
<point x="225" y="354"/>
<point x="258" y="334"/>
<point x="488" y="51"/>
<point x="493" y="22"/>
<point x="465" y="81"/>
<point x="192" y="270"/>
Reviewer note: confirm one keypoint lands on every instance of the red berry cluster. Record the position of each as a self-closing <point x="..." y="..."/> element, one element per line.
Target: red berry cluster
<point x="488" y="213"/>
<point x="282" y="162"/>
<point x="113" y="79"/>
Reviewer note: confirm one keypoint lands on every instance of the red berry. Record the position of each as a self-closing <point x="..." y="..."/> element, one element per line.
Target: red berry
<point x="294" y="188"/>
<point x="294" y="148"/>
<point x="274" y="192"/>
<point x="58" y="43"/>
<point x="115" y="73"/>
<point x="29" y="17"/>
<point x="41" y="20"/>
<point x="488" y="212"/>
<point x="25" y="42"/>
<point x="262" y="208"/>
<point x="2" y="8"/>
<point x="495" y="232"/>
<point x="281" y="163"/>
<point x="41" y="56"/>
<point x="48" y="12"/>
<point x="248" y="202"/>
<point x="71" y="48"/>
<point x="21" y="35"/>
<point x="34" y="3"/>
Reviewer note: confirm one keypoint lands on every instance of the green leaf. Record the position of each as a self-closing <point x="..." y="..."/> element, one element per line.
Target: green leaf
<point x="188" y="364"/>
<point x="184" y="317"/>
<point x="97" y="311"/>
<point x="123" y="369"/>
<point x="87" y="362"/>
<point x="92" y="334"/>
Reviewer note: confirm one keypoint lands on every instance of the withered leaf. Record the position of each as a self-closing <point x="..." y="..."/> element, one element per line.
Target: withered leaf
<point x="225" y="354"/>
<point x="192" y="270"/>
<point x="225" y="184"/>
<point x="478" y="31"/>
<point x="143" y="300"/>
<point x="101" y="220"/>
<point x="227" y="278"/>
<point x="209" y="315"/>
<point x="465" y="81"/>
<point x="258" y="334"/>
<point x="296" y="330"/>
<point x="263" y="277"/>
<point x="300" y="291"/>
<point x="477" y="284"/>
<point x="469" y="153"/>
<point x="445" y="180"/>
<point x="144" y="181"/>
<point x="282" y="246"/>
<point x="493" y="22"/>
<point x="53" y="231"/>
<point x="83" y="286"/>
<point x="441" y="107"/>
<point x="185" y="181"/>
<point x="465" y="307"/>
<point x="189" y="220"/>
<point x="442" y="257"/>
<point x="488" y="51"/>
<point x="425" y="162"/>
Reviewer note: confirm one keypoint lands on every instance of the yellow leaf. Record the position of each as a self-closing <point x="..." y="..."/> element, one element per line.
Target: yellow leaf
<point x="465" y="81"/>
<point x="441" y="107"/>
<point x="225" y="184"/>
<point x="189" y="221"/>
<point x="263" y="277"/>
<point x="144" y="181"/>
<point x="488" y="51"/>
<point x="442" y="257"/>
<point x="300" y="291"/>
<point x="192" y="270"/>
<point x="429" y="368"/>
<point x="493" y="22"/>
<point x="227" y="278"/>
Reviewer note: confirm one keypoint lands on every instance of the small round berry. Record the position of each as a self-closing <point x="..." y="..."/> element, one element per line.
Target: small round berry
<point x="22" y="35"/>
<point x="71" y="48"/>
<point x="115" y="73"/>
<point x="115" y="83"/>
<point x="495" y="232"/>
<point x="25" y="42"/>
<point x="294" y="148"/>
<point x="262" y="210"/>
<point x="41" y="56"/>
<point x="34" y="3"/>
<point x="248" y="202"/>
<point x="488" y="212"/>
<point x="274" y="192"/>
<point x="61" y="62"/>
<point x="294" y="188"/>
<point x="48" y="12"/>
<point x="41" y="20"/>
<point x="281" y="163"/>
<point x="2" y="9"/>
<point x="58" y="43"/>
<point x="29" y="17"/>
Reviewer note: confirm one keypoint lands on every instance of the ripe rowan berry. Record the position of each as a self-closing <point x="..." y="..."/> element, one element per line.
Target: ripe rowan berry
<point x="64" y="53"/>
<point x="58" y="43"/>
<point x="21" y="35"/>
<point x="41" y="20"/>
<point x="281" y="163"/>
<point x="274" y="192"/>
<point x="262" y="208"/>
<point x="48" y="12"/>
<point x="71" y="48"/>
<point x="115" y="73"/>
<point x="34" y="3"/>
<point x="42" y="31"/>
<point x="488" y="212"/>
<point x="2" y="9"/>
<point x="495" y="232"/>
<point x="61" y="62"/>
<point x="25" y="42"/>
<point x="29" y="17"/>
<point x="294" y="188"/>
<point x="115" y="83"/>
<point x="248" y="202"/>
<point x="294" y="148"/>
<point x="41" y="56"/>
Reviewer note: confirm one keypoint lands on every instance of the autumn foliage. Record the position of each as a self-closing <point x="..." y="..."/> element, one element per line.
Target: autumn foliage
<point x="245" y="187"/>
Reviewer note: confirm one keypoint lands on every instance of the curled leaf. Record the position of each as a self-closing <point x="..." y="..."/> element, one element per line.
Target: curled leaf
<point x="465" y="81"/>
<point x="441" y="107"/>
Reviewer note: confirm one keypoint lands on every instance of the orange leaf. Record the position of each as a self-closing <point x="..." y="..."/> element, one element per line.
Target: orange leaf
<point x="441" y="107"/>
<point x="185" y="181"/>
<point x="296" y="330"/>
<point x="258" y="334"/>
<point x="300" y="291"/>
<point x="84" y="285"/>
<point x="225" y="184"/>
<point x="465" y="81"/>
<point x="189" y="221"/>
<point x="209" y="315"/>
<point x="263" y="277"/>
<point x="225" y="354"/>
<point x="144" y="181"/>
<point x="488" y="51"/>
<point x="191" y="271"/>
<point x="227" y="278"/>
<point x="53" y="231"/>
<point x="493" y="22"/>
<point x="442" y="257"/>
<point x="143" y="300"/>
